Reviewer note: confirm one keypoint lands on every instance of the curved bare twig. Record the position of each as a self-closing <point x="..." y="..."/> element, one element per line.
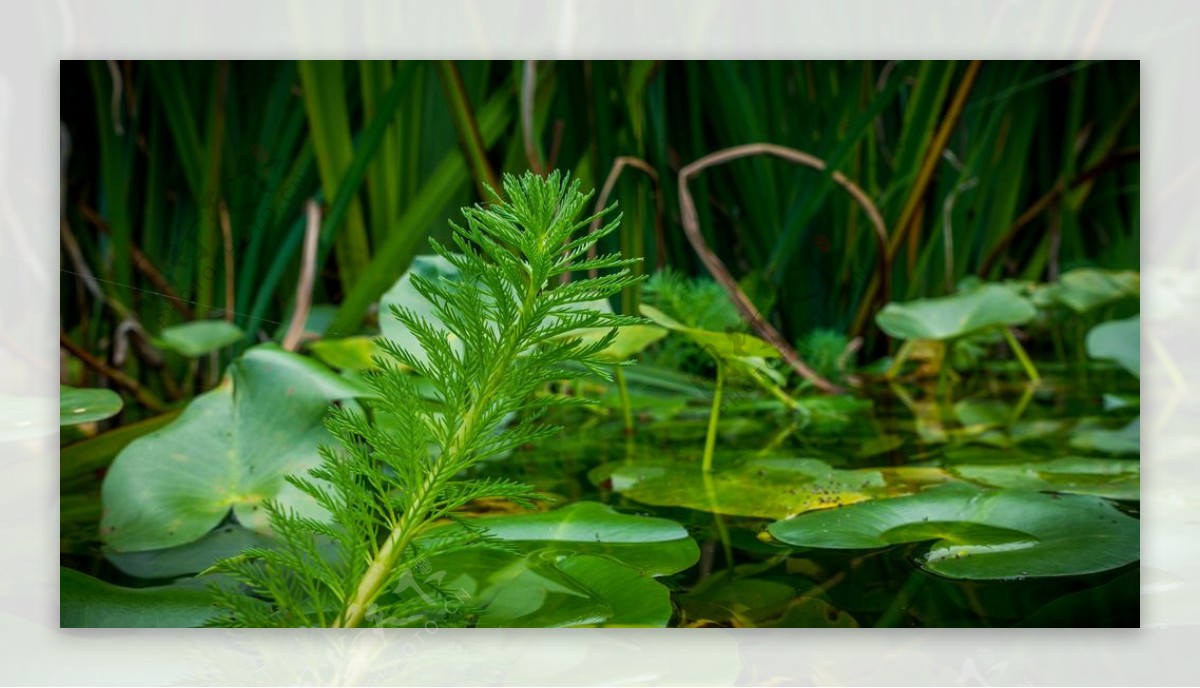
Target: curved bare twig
<point x="304" y="285"/>
<point x="613" y="174"/>
<point x="691" y="227"/>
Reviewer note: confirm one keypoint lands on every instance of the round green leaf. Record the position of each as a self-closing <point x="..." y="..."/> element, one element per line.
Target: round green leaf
<point x="582" y="565"/>
<point x="718" y="344"/>
<point x="762" y="487"/>
<point x="1003" y="534"/>
<point x="198" y="337"/>
<point x="230" y="449"/>
<point x="956" y="315"/>
<point x="191" y="558"/>
<point x="1097" y="435"/>
<point x="1085" y="289"/>
<point x="1111" y="478"/>
<point x="1119" y="341"/>
<point x="86" y="405"/>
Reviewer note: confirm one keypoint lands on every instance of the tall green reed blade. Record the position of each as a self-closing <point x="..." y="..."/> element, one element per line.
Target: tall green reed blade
<point x="392" y="258"/>
<point x="329" y="126"/>
<point x="116" y="161"/>
<point x="498" y="337"/>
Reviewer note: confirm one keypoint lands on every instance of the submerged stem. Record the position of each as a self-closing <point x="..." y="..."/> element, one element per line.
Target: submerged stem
<point x="1023" y="357"/>
<point x="626" y="406"/>
<point x="710" y="440"/>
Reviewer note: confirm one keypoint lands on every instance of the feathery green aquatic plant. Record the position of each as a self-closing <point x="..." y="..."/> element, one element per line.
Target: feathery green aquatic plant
<point x="493" y="337"/>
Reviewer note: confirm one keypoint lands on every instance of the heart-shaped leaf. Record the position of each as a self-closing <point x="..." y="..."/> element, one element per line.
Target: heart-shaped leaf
<point x="86" y="405"/>
<point x="956" y="315"/>
<point x="230" y="449"/>
<point x="582" y="565"/>
<point x="1002" y="534"/>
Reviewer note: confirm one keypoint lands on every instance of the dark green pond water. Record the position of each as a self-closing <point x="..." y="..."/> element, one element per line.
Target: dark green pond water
<point x="772" y="464"/>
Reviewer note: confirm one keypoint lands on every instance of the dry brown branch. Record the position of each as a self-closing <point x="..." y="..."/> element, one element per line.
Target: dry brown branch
<point x="716" y="268"/>
<point x="1049" y="199"/>
<point x="613" y="174"/>
<point x="227" y="238"/>
<point x="304" y="284"/>
<point x="148" y="399"/>
<point x="143" y="264"/>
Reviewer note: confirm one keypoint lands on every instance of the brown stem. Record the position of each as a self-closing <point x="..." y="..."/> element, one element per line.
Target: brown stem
<point x="720" y="273"/>
<point x="613" y="174"/>
<point x="227" y="239"/>
<point x="906" y="224"/>
<point x="1049" y="199"/>
<point x="148" y="399"/>
<point x="305" y="283"/>
<point x="143" y="264"/>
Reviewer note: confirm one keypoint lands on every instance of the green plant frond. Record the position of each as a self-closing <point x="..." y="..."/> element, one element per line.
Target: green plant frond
<point x="487" y="342"/>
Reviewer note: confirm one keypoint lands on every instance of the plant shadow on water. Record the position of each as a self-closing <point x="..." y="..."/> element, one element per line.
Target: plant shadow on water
<point x="839" y="452"/>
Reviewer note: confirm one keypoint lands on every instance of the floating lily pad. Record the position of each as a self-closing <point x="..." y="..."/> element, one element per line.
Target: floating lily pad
<point x="192" y="558"/>
<point x="949" y="317"/>
<point x="78" y="462"/>
<point x="1098" y="435"/>
<point x="1119" y="341"/>
<point x="762" y="487"/>
<point x="1112" y="478"/>
<point x="230" y="449"/>
<point x="198" y="337"/>
<point x="1085" y="289"/>
<point x="1002" y="534"/>
<point x="86" y="602"/>
<point x="718" y="344"/>
<point x="582" y="565"/>
<point x="87" y="405"/>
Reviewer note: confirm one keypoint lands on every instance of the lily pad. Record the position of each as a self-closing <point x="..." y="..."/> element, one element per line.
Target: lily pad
<point x="1097" y="435"/>
<point x="582" y="565"/>
<point x="86" y="602"/>
<point x="229" y="450"/>
<point x="956" y="315"/>
<point x="718" y="344"/>
<point x="1085" y="289"/>
<point x="762" y="487"/>
<point x="198" y="337"/>
<point x="984" y="535"/>
<point x="192" y="558"/>
<point x="86" y="405"/>
<point x="1119" y="341"/>
<point x="1111" y="478"/>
